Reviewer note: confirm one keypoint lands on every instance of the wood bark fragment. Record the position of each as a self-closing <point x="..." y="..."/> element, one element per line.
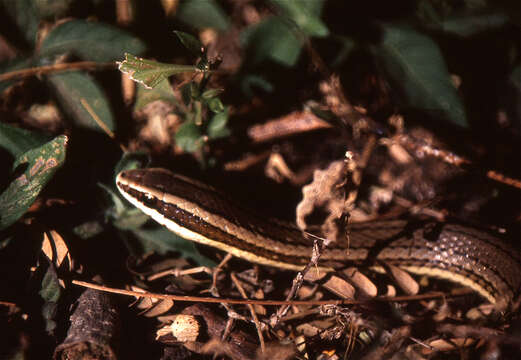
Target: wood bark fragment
<point x="94" y="329"/>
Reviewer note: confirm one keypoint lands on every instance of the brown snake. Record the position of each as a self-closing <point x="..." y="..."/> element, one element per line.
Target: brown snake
<point x="452" y="252"/>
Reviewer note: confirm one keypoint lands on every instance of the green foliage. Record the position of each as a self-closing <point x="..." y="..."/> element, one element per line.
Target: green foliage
<point x="162" y="241"/>
<point x="305" y="14"/>
<point x="33" y="170"/>
<point x="189" y="137"/>
<point x="191" y="43"/>
<point x="162" y="91"/>
<point x="83" y="100"/>
<point x="415" y="66"/>
<point x="280" y="38"/>
<point x="89" y="41"/>
<point x="205" y="116"/>
<point x="202" y="14"/>
<point x="150" y="73"/>
<point x="24" y="13"/>
<point x="272" y="39"/>
<point x="17" y="141"/>
<point x="50" y="292"/>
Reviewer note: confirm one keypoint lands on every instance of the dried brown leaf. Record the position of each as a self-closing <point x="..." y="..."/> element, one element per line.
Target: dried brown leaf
<point x="326" y="194"/>
<point x="361" y="281"/>
<point x="55" y="248"/>
<point x="158" y="308"/>
<point x="403" y="279"/>
<point x="333" y="283"/>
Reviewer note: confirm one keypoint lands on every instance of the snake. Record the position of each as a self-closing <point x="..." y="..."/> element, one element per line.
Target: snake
<point x="454" y="252"/>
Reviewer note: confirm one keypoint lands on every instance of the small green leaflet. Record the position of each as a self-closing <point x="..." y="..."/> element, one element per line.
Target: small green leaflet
<point x="151" y="73"/>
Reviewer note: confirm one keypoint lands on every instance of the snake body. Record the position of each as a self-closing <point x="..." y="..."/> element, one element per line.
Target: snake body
<point x="452" y="252"/>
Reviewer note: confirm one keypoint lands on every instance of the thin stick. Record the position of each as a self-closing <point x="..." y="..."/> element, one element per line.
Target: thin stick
<point x="81" y="65"/>
<point x="432" y="295"/>
<point x="252" y="312"/>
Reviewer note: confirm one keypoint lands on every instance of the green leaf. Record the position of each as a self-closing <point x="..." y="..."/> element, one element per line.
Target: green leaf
<point x="198" y="113"/>
<point x="90" y="41"/>
<point x="217" y="126"/>
<point x="14" y="65"/>
<point x="162" y="91"/>
<point x="161" y="240"/>
<point x="189" y="91"/>
<point x="271" y="39"/>
<point x="50" y="292"/>
<point x="38" y="165"/>
<point x="151" y="73"/>
<point x="83" y="100"/>
<point x="130" y="219"/>
<point x="202" y="14"/>
<point x="190" y="42"/>
<point x="252" y="81"/>
<point x="416" y="69"/>
<point x="305" y="14"/>
<point x="24" y="14"/>
<point x="215" y="105"/>
<point x="189" y="137"/>
<point x="89" y="229"/>
<point x="211" y="93"/>
<point x="123" y="215"/>
<point x="17" y="141"/>
<point x="132" y="160"/>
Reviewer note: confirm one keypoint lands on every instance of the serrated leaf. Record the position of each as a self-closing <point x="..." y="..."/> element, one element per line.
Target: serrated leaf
<point x="189" y="137"/>
<point x="305" y="14"/>
<point x="25" y="15"/>
<point x="217" y="126"/>
<point x="202" y="14"/>
<point x="90" y="41"/>
<point x="417" y="71"/>
<point x="190" y="42"/>
<point x="271" y="39"/>
<point x="17" y="141"/>
<point x="38" y="165"/>
<point x="162" y="91"/>
<point x="161" y="240"/>
<point x="151" y="73"/>
<point x="83" y="100"/>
